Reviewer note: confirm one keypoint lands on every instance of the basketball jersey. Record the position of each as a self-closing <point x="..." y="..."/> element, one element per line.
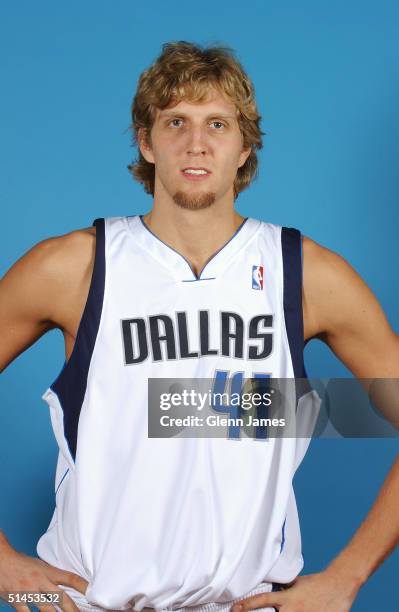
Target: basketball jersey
<point x="179" y="521"/>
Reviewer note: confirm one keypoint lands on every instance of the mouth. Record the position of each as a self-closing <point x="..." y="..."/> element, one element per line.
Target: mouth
<point x="195" y="174"/>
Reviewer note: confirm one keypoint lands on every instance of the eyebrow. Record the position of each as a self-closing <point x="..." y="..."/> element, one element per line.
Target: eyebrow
<point x="185" y="116"/>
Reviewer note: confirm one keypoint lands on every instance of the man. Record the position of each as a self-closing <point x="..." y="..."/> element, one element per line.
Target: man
<point x="191" y="290"/>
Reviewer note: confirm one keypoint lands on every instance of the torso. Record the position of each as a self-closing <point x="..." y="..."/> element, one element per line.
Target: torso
<point x="74" y="300"/>
<point x="149" y="317"/>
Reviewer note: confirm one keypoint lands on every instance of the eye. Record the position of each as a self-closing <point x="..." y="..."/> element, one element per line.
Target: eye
<point x="218" y="125"/>
<point x="175" y="122"/>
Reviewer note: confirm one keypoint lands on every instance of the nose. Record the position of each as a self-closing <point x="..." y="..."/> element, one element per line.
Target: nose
<point x="197" y="142"/>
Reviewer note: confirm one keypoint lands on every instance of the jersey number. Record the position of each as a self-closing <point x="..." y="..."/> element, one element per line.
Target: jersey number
<point x="240" y="415"/>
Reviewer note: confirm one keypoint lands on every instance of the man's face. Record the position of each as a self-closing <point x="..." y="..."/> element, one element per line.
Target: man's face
<point x="197" y="150"/>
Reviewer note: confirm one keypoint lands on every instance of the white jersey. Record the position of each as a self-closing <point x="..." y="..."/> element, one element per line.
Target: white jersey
<point x="175" y="522"/>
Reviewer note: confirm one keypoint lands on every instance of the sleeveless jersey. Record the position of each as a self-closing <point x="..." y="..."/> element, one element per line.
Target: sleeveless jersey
<point x="174" y="522"/>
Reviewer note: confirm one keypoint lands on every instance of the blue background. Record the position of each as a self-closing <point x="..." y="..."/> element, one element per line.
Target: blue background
<point x="326" y="78"/>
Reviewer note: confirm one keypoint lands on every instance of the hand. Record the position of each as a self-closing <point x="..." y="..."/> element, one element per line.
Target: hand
<point x="322" y="592"/>
<point x="19" y="572"/>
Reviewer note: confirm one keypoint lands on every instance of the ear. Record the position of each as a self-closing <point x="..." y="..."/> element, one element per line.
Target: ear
<point x="245" y="153"/>
<point x="145" y="145"/>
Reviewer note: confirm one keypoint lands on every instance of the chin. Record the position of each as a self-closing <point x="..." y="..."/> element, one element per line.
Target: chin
<point x="197" y="201"/>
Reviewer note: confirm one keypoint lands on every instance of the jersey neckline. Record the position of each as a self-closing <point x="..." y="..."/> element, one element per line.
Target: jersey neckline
<point x="177" y="263"/>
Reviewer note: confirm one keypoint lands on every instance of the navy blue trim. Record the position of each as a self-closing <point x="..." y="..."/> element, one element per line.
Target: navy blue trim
<point x="291" y="244"/>
<point x="225" y="244"/>
<point x="282" y="537"/>
<point x="196" y="276"/>
<point x="61" y="481"/>
<point x="70" y="385"/>
<point x="195" y="280"/>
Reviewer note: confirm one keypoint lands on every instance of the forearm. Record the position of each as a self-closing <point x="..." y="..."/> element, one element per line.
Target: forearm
<point x="4" y="543"/>
<point x="375" y="539"/>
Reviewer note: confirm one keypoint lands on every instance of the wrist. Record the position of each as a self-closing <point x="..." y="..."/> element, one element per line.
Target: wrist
<point x="350" y="578"/>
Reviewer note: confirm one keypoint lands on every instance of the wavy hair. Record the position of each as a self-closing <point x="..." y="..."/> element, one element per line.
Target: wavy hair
<point x="185" y="71"/>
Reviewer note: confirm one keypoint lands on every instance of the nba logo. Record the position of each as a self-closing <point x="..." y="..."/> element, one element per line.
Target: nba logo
<point x="257" y="277"/>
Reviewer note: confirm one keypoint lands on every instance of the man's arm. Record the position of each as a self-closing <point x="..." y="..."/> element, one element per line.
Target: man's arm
<point x="47" y="288"/>
<point x="342" y="311"/>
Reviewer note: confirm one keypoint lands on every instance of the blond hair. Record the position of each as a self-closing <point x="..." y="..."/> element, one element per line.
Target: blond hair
<point x="186" y="71"/>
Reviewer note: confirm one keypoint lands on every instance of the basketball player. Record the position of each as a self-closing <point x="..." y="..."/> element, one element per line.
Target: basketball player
<point x="187" y="523"/>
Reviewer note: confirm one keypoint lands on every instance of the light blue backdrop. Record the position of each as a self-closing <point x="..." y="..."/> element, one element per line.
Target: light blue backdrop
<point x="326" y="77"/>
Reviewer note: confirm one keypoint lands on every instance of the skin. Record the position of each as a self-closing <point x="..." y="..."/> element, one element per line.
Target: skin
<point x="350" y="321"/>
<point x="195" y="135"/>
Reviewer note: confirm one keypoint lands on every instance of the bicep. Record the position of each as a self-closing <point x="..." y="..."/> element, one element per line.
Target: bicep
<point x="25" y="312"/>
<point x="347" y="315"/>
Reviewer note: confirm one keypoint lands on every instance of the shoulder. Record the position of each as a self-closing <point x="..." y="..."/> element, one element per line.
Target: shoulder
<point x="332" y="289"/>
<point x="58" y="257"/>
<point x="325" y="270"/>
<point x="66" y="248"/>
<point x="67" y="264"/>
<point x="340" y="309"/>
<point x="335" y="296"/>
<point x="46" y="288"/>
<point x="49" y="255"/>
<point x="52" y="273"/>
<point x="321" y="260"/>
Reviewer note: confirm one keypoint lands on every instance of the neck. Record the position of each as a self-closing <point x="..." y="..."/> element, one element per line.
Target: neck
<point x="195" y="234"/>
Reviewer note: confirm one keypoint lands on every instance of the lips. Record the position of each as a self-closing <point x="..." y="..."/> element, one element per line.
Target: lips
<point x="195" y="174"/>
<point x="197" y="168"/>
